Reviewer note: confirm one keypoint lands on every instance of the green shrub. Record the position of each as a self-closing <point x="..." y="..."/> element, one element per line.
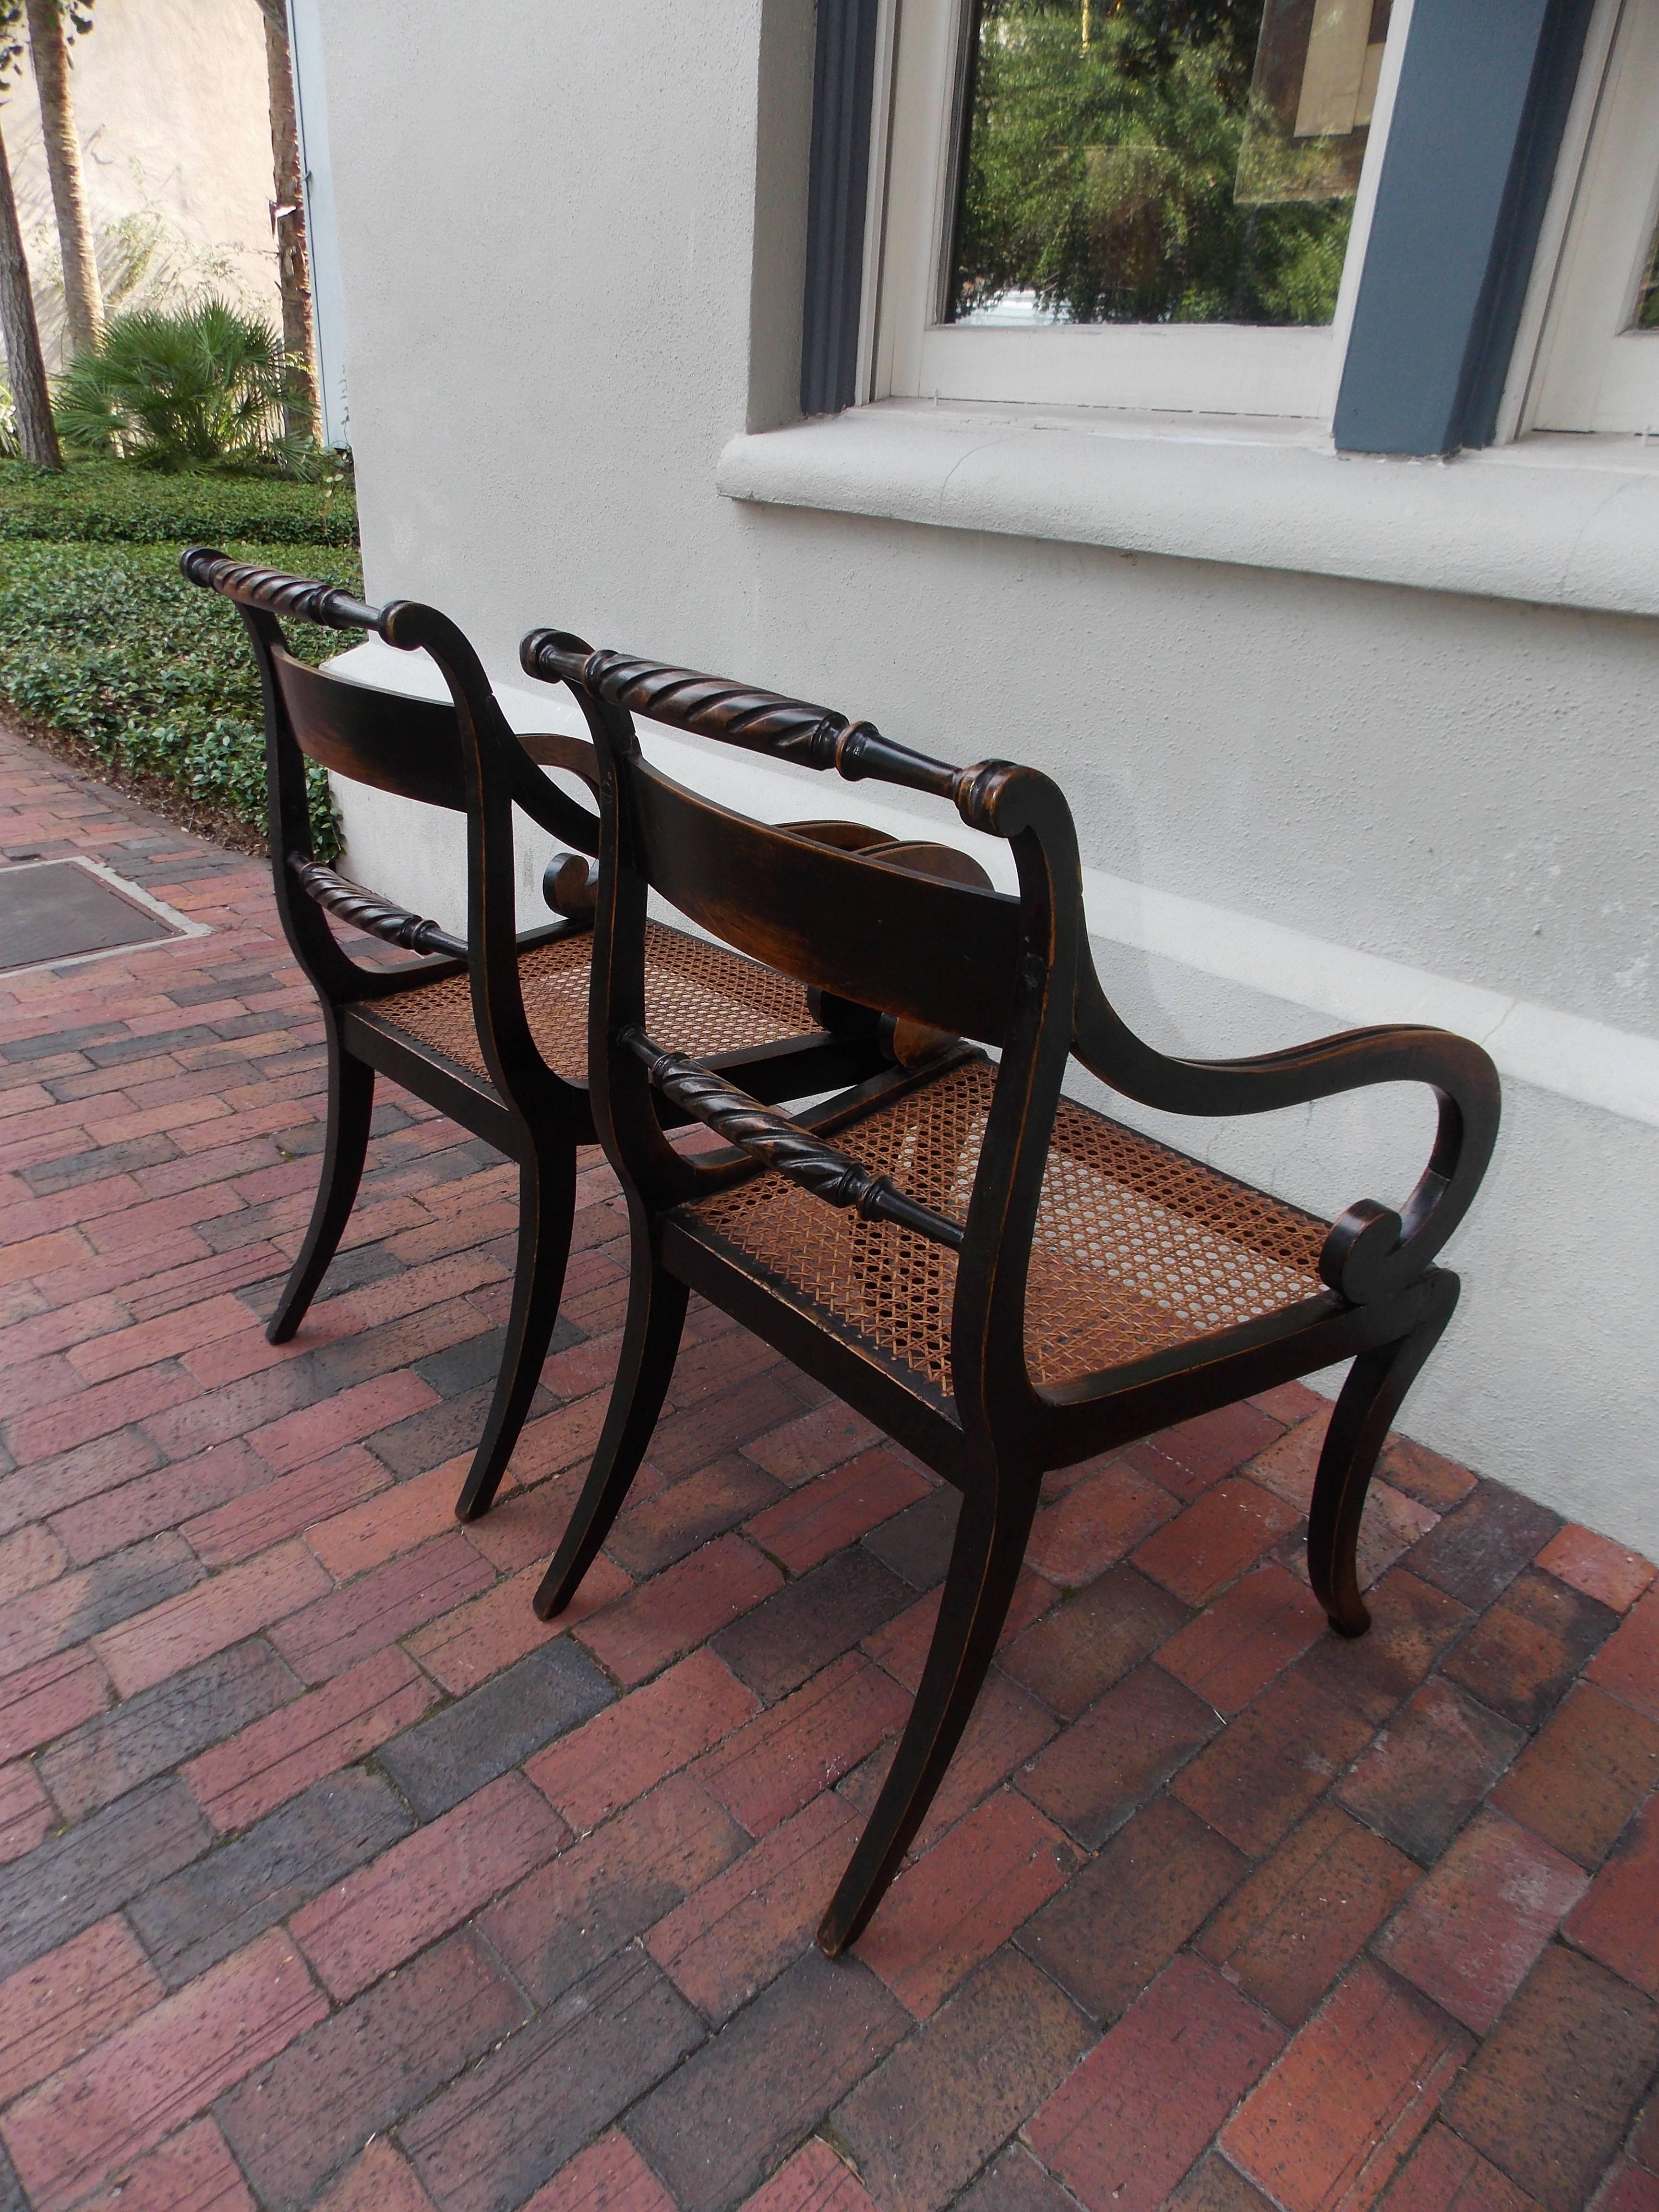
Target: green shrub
<point x="110" y="645"/>
<point x="181" y="388"/>
<point x="111" y="502"/>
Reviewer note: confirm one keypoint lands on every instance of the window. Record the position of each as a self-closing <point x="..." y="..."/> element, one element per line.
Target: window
<point x="1594" y="303"/>
<point x="1142" y="203"/>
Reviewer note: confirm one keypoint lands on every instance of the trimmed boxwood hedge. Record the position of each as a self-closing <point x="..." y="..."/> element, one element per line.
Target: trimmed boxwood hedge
<point x="103" y="643"/>
<point x="119" y="502"/>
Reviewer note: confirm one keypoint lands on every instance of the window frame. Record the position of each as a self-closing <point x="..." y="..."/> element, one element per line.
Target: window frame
<point x="1449" y="249"/>
<point x="1225" y="368"/>
<point x="1578" y="365"/>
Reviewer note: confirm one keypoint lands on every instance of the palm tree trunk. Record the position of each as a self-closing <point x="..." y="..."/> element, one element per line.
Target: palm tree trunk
<point x="288" y="214"/>
<point x="83" y="298"/>
<point x="36" y="434"/>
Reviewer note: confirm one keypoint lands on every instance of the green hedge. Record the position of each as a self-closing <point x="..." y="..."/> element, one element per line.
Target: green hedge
<point x="119" y="502"/>
<point x="109" y="644"/>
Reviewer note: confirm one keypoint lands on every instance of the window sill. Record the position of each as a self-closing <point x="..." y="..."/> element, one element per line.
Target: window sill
<point x="1556" y="521"/>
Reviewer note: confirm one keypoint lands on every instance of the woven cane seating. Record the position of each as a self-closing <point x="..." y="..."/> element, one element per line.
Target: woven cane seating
<point x="491" y="1029"/>
<point x="1003" y="1279"/>
<point x="1136" y="1249"/>
<point x="711" y="999"/>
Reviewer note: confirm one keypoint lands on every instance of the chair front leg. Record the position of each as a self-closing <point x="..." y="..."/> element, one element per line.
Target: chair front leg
<point x="986" y="1558"/>
<point x="1370" y="1396"/>
<point x="651" y="1341"/>
<point x="547" y="1197"/>
<point x="351" y="1104"/>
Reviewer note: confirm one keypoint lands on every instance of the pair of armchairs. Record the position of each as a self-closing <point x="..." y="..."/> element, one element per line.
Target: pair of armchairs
<point x="1001" y="1278"/>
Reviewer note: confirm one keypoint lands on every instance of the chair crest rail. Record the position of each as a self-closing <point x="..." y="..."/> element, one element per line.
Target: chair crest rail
<point x="784" y="1146"/>
<point x="300" y="598"/>
<point x="760" y="722"/>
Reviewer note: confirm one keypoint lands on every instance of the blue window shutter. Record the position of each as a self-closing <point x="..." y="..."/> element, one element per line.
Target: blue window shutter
<point x="1484" y="90"/>
<point x="842" y="85"/>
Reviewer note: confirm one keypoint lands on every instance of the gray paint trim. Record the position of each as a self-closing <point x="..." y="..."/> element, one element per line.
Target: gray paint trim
<point x="842" y="85"/>
<point x="1484" y="90"/>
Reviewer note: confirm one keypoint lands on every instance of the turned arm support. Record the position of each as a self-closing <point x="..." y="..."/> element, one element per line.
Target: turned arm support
<point x="367" y="911"/>
<point x="378" y="917"/>
<point x="1372" y="1250"/>
<point x="785" y="1145"/>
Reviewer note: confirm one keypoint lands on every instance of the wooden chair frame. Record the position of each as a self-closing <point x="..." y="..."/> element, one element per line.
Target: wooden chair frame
<point x="1011" y="972"/>
<point x="461" y="756"/>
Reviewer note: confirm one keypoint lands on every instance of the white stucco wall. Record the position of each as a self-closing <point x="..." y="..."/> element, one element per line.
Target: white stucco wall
<point x="562" y="306"/>
<point x="172" y="109"/>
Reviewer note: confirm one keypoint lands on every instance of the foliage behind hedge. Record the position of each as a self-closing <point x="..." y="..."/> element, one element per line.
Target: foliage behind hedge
<point x="118" y="502"/>
<point x="108" y="643"/>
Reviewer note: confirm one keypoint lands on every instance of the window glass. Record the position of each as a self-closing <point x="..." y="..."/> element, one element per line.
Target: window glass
<point x="1160" y="161"/>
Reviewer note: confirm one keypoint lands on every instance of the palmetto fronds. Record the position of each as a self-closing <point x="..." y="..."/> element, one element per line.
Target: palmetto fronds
<point x="202" y="384"/>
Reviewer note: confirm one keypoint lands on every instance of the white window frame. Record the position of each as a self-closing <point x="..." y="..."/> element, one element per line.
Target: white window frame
<point x="909" y="352"/>
<point x="1577" y="364"/>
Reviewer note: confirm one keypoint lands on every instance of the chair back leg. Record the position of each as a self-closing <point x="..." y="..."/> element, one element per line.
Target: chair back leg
<point x="651" y="1341"/>
<point x="547" y="1197"/>
<point x="1371" y="1395"/>
<point x="351" y="1104"/>
<point x="986" y="1558"/>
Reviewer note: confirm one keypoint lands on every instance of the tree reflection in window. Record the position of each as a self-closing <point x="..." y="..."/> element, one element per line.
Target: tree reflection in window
<point x="1161" y="160"/>
<point x="1645" y="316"/>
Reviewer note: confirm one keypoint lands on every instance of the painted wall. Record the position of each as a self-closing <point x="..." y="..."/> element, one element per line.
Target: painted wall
<point x="570" y="252"/>
<point x="172" y="105"/>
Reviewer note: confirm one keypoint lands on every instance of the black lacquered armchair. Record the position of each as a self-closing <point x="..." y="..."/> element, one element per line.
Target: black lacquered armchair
<point x="491" y="1029"/>
<point x="1005" y="1280"/>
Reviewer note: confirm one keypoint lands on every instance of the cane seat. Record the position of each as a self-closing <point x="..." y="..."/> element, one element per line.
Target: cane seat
<point x="1137" y="1248"/>
<point x="709" y="1000"/>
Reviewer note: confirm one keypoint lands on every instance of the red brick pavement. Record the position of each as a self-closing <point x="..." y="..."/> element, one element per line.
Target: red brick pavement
<point x="329" y="1876"/>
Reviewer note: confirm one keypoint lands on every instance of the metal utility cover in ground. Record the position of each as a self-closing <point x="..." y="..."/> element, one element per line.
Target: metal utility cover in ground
<point x="61" y="910"/>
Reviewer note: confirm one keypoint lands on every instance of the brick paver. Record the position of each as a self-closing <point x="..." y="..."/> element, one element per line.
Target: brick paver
<point x="330" y="1877"/>
<point x="1337" y="2116"/>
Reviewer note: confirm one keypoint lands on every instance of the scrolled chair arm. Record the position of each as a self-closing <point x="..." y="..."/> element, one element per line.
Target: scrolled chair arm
<point x="570" y="884"/>
<point x="367" y="911"/>
<point x="1372" y="1250"/>
<point x="301" y="599"/>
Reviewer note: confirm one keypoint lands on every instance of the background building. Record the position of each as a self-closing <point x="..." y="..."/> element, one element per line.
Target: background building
<point x="172" y="105"/>
<point x="1354" y="733"/>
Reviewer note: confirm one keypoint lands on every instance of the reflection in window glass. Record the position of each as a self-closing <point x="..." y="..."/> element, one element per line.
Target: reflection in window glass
<point x="1161" y="160"/>
<point x="1646" y="314"/>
